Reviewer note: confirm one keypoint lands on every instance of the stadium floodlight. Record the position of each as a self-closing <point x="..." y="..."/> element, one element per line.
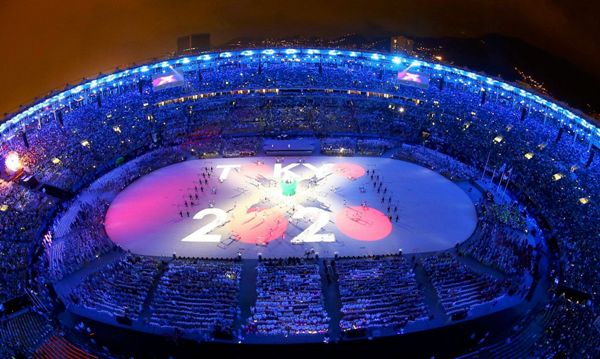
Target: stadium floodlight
<point x="507" y="87"/>
<point x="416" y="63"/>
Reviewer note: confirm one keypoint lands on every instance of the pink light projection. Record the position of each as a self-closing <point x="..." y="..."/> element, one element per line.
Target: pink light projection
<point x="256" y="169"/>
<point x="349" y="170"/>
<point x="363" y="223"/>
<point x="148" y="206"/>
<point x="260" y="225"/>
<point x="164" y="80"/>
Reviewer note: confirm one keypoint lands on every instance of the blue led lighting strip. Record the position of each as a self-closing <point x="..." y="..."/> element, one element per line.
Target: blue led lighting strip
<point x="390" y="61"/>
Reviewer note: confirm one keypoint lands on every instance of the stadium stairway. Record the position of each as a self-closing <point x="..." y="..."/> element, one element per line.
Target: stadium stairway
<point x="434" y="305"/>
<point x="247" y="292"/>
<point x="519" y="346"/>
<point x="331" y="297"/>
<point x="24" y="330"/>
<point x="146" y="310"/>
<point x="57" y="347"/>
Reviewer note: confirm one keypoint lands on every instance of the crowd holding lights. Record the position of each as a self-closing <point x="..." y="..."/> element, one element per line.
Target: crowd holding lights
<point x="547" y="156"/>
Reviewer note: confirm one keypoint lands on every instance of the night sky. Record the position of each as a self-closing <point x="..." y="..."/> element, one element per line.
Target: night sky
<point x="44" y="45"/>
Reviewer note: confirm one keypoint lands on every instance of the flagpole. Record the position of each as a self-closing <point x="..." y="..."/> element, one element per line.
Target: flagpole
<point x="507" y="180"/>
<point x="499" y="182"/>
<point x="486" y="163"/>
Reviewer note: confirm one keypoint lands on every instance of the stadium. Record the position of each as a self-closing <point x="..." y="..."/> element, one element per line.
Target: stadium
<point x="321" y="199"/>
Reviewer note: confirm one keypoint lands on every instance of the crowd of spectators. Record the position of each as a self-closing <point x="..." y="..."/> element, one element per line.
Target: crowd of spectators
<point x="23" y="216"/>
<point x="197" y="295"/>
<point x="507" y="214"/>
<point x="549" y="168"/>
<point x="338" y="146"/>
<point x="373" y="147"/>
<point x="570" y="331"/>
<point x="14" y="269"/>
<point x="458" y="287"/>
<point x="21" y="333"/>
<point x="378" y="291"/>
<point x="436" y="161"/>
<point x="117" y="180"/>
<point x="289" y="300"/>
<point x="80" y="237"/>
<point x="120" y="288"/>
<point x="501" y="248"/>
<point x="85" y="241"/>
<point x="241" y="147"/>
<point x="503" y="240"/>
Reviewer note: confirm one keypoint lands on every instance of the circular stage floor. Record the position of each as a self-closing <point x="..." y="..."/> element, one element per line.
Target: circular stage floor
<point x="222" y="207"/>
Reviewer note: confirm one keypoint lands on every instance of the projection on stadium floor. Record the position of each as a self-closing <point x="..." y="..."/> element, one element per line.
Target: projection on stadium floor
<point x="285" y="206"/>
